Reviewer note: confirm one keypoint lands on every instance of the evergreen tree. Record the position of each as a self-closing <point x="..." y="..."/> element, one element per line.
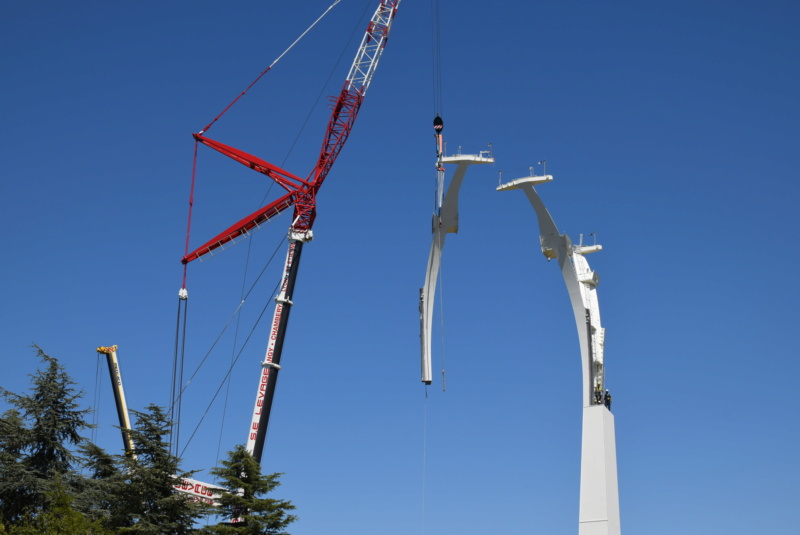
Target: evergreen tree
<point x="16" y="480"/>
<point x="58" y="518"/>
<point x="257" y="515"/>
<point x="37" y="441"/>
<point x="102" y="477"/>
<point x="56" y="421"/>
<point x="146" y="503"/>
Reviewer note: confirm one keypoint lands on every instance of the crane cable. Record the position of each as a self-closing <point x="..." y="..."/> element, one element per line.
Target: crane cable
<point x="436" y="46"/>
<point x="289" y="152"/>
<point x="436" y="53"/>
<point x="96" y="402"/>
<point x="233" y="363"/>
<point x="270" y="67"/>
<point x="182" y="389"/>
<point x="436" y="37"/>
<point x="180" y="339"/>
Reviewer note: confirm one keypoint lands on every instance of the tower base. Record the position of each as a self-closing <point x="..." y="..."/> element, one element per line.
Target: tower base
<point x="599" y="512"/>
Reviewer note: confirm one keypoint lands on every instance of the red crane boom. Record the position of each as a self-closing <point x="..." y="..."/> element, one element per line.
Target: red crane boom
<point x="302" y="195"/>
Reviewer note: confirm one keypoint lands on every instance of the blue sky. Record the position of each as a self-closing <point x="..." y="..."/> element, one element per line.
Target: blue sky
<point x="670" y="128"/>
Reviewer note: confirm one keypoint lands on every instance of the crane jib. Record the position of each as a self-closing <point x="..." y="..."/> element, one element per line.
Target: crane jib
<point x="301" y="194"/>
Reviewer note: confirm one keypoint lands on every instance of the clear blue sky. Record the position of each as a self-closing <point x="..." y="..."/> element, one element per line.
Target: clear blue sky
<point x="671" y="129"/>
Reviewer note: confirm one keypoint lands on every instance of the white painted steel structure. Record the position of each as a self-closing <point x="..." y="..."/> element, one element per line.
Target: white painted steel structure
<point x="599" y="498"/>
<point x="445" y="220"/>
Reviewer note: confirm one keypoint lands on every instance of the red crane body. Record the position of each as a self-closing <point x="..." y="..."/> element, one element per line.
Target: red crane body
<point x="302" y="195"/>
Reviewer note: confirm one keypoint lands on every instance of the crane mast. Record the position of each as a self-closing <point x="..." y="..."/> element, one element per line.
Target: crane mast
<point x="301" y="195"/>
<point x="343" y="116"/>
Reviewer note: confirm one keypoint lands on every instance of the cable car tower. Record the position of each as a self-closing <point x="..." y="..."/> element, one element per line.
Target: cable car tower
<point x="599" y="496"/>
<point x="445" y="221"/>
<point x="301" y="195"/>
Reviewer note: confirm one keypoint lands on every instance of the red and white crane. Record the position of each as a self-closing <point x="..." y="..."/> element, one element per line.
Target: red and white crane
<point x="302" y="195"/>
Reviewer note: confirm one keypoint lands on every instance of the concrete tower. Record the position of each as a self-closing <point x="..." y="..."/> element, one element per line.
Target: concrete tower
<point x="599" y="505"/>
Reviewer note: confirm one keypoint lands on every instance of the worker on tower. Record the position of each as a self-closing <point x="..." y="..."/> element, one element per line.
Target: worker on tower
<point x="608" y="400"/>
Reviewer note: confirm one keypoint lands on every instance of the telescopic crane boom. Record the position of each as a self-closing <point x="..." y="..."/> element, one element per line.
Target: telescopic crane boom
<point x="198" y="490"/>
<point x="300" y="194"/>
<point x="119" y="396"/>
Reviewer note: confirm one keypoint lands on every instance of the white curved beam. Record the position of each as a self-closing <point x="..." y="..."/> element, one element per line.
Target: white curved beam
<point x="581" y="284"/>
<point x="445" y="221"/>
<point x="599" y="495"/>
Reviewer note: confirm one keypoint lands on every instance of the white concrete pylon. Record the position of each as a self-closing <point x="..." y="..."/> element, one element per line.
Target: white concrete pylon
<point x="599" y="503"/>
<point x="445" y="220"/>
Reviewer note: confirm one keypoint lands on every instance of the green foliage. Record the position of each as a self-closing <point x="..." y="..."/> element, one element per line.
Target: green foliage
<point x="54" y="417"/>
<point x="258" y="515"/>
<point x="102" y="476"/>
<point x="58" y="518"/>
<point x="16" y="480"/>
<point x="52" y="481"/>
<point x="38" y="435"/>
<point x="144" y="501"/>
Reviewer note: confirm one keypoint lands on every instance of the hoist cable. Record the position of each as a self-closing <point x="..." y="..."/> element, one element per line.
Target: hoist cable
<point x="96" y="403"/>
<point x="233" y="349"/>
<point x="182" y="362"/>
<point x="175" y="385"/>
<point x="235" y="312"/>
<point x="436" y="37"/>
<point x="268" y="68"/>
<point x="180" y="342"/>
<point x="178" y="361"/>
<point x="230" y="369"/>
<point x="424" y="457"/>
<point x="191" y="205"/>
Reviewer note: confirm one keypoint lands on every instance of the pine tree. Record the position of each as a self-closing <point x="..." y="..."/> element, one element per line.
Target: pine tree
<point x="145" y="503"/>
<point x="38" y="437"/>
<point x="56" y="420"/>
<point x="257" y="514"/>
<point x="102" y="477"/>
<point x="59" y="517"/>
<point x="16" y="480"/>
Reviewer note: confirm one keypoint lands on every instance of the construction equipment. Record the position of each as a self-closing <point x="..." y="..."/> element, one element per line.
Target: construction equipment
<point x="199" y="491"/>
<point x="301" y="195"/>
